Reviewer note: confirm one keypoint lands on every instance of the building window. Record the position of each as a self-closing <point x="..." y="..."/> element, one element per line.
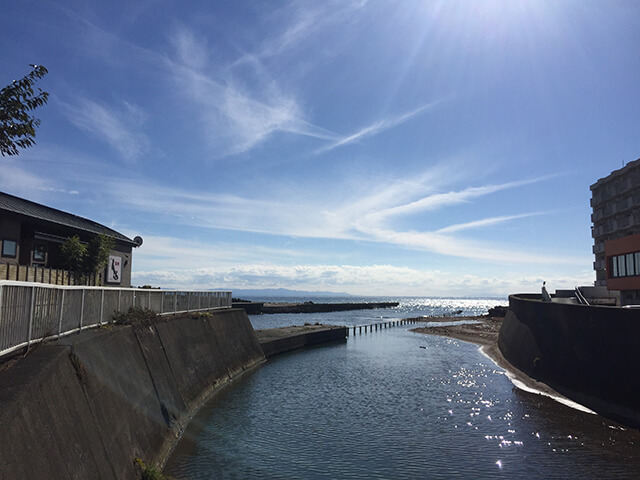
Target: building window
<point x="9" y="248"/>
<point x="622" y="270"/>
<point x="626" y="265"/>
<point x="629" y="260"/>
<point x="40" y="253"/>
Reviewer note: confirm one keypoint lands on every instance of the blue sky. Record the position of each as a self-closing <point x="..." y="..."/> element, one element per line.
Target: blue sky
<point x="369" y="147"/>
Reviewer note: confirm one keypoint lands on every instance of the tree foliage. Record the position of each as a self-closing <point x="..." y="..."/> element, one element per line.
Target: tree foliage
<point x="97" y="255"/>
<point x="86" y="259"/>
<point x="72" y="253"/>
<point x="17" y="101"/>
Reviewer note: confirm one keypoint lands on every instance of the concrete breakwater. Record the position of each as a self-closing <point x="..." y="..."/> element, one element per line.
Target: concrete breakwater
<point x="87" y="405"/>
<point x="309" y="307"/>
<point x="587" y="353"/>
<point x="280" y="340"/>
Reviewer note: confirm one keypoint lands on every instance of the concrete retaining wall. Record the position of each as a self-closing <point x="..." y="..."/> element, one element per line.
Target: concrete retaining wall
<point x="86" y="406"/>
<point x="587" y="353"/>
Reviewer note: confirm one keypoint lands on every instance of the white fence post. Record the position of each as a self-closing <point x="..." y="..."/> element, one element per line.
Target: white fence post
<point x="61" y="310"/>
<point x="33" y="299"/>
<point x="81" y="309"/>
<point x="101" y="306"/>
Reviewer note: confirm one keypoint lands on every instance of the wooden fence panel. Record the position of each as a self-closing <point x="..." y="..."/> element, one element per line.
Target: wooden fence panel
<point x="54" y="276"/>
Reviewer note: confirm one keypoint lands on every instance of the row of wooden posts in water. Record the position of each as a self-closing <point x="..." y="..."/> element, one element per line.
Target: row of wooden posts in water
<point x="379" y="326"/>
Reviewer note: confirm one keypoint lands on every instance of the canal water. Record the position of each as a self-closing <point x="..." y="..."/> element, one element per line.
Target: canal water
<point x="394" y="404"/>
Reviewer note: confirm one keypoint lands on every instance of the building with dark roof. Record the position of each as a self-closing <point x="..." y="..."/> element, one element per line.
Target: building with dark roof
<point x="615" y="200"/>
<point x="31" y="234"/>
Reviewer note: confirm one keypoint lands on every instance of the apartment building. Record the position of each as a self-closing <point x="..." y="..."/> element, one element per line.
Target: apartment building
<point x="615" y="200"/>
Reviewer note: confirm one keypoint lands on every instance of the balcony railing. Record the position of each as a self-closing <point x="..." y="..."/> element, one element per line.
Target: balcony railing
<point x="32" y="312"/>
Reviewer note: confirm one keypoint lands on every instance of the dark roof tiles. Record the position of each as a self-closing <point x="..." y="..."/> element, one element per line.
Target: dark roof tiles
<point x="31" y="209"/>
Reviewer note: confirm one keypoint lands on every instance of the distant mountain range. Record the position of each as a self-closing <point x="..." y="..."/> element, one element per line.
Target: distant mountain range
<point x="283" y="292"/>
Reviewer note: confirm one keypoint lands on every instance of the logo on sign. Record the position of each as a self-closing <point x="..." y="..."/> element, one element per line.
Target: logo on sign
<point x="114" y="269"/>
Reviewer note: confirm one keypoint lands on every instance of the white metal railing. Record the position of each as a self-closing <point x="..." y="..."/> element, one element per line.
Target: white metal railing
<point x="581" y="299"/>
<point x="31" y="312"/>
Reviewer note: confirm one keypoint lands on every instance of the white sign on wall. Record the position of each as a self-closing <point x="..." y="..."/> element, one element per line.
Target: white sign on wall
<point x="114" y="269"/>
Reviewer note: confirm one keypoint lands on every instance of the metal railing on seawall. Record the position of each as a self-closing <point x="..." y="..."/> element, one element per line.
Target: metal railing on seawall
<point x="31" y="312"/>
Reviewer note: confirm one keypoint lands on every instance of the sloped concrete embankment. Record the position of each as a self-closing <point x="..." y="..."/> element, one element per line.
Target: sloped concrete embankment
<point x="587" y="353"/>
<point x="86" y="406"/>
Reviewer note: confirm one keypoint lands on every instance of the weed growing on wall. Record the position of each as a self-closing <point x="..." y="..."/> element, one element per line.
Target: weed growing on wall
<point x="139" y="316"/>
<point x="150" y="472"/>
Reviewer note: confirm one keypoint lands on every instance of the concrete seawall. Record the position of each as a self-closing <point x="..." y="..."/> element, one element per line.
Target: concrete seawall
<point x="87" y="405"/>
<point x="275" y="341"/>
<point x="587" y="353"/>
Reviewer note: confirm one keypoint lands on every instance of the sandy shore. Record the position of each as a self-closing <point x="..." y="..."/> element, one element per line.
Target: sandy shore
<point x="485" y="334"/>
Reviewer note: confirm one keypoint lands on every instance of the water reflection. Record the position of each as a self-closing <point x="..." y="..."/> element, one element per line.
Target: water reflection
<point x="379" y="406"/>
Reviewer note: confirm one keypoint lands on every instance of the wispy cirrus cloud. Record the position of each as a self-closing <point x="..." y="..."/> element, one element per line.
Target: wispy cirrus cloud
<point x="241" y="116"/>
<point x="486" y="222"/>
<point x="376" y="128"/>
<point x="440" y="200"/>
<point x="192" y="51"/>
<point x="254" y="120"/>
<point x="236" y="119"/>
<point x="118" y="127"/>
<point x="373" y="219"/>
<point x="233" y="119"/>
<point x="466" y="248"/>
<point x="299" y="22"/>
<point x="347" y="218"/>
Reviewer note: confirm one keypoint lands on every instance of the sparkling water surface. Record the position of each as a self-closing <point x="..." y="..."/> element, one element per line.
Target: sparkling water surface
<point x="394" y="404"/>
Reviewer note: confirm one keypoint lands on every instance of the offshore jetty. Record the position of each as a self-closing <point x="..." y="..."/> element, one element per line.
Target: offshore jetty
<point x="101" y="403"/>
<point x="256" y="308"/>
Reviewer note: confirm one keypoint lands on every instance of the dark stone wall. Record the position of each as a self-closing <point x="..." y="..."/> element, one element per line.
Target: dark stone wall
<point x="86" y="406"/>
<point x="588" y="353"/>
